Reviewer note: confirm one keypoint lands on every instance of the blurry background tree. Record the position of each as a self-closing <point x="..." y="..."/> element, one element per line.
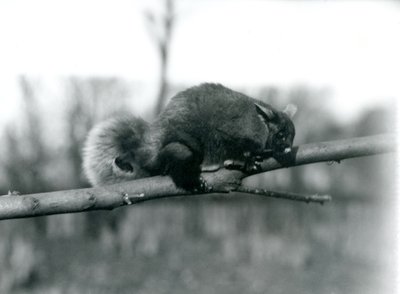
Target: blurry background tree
<point x="196" y="245"/>
<point x="161" y="29"/>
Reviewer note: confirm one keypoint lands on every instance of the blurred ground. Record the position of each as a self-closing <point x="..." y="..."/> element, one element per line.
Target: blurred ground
<point x="222" y="246"/>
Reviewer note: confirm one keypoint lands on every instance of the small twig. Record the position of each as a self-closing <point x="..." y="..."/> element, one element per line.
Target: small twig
<point x="285" y="195"/>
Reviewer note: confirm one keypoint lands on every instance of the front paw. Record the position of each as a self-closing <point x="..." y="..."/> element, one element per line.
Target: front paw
<point x="286" y="157"/>
<point x="250" y="164"/>
<point x="202" y="186"/>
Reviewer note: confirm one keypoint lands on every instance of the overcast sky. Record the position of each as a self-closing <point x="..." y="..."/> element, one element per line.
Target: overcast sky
<point x="350" y="47"/>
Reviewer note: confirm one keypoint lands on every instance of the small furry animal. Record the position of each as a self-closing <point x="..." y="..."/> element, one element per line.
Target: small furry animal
<point x="201" y="126"/>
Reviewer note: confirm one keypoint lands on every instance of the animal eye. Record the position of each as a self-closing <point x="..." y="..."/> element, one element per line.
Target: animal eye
<point x="280" y="135"/>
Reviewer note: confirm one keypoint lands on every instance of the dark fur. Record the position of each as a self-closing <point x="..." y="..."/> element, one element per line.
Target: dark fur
<point x="208" y="124"/>
<point x="203" y="125"/>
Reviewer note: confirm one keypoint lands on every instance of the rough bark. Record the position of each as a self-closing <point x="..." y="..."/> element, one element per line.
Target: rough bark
<point x="222" y="181"/>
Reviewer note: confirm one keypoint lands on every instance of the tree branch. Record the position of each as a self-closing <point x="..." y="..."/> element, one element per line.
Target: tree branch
<point x="285" y="195"/>
<point x="336" y="150"/>
<point x="222" y="181"/>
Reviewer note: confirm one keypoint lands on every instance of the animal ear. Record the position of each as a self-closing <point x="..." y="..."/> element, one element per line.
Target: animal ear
<point x="290" y="110"/>
<point x="123" y="165"/>
<point x="266" y="114"/>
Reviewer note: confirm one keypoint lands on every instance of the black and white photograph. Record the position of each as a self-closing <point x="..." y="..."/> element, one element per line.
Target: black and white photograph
<point x="199" y="146"/>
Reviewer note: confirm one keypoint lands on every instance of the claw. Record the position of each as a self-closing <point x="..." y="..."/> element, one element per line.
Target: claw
<point x="287" y="150"/>
<point x="234" y="164"/>
<point x="251" y="163"/>
<point x="203" y="186"/>
<point x="228" y="163"/>
<point x="254" y="168"/>
<point x="247" y="154"/>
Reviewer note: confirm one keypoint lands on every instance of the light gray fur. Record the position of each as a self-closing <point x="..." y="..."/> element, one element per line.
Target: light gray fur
<point x="103" y="146"/>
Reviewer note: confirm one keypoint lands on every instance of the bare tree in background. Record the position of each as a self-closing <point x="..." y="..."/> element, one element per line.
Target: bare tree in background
<point x="26" y="150"/>
<point x="161" y="28"/>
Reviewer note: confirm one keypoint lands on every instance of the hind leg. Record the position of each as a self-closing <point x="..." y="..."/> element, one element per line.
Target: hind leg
<point x="183" y="165"/>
